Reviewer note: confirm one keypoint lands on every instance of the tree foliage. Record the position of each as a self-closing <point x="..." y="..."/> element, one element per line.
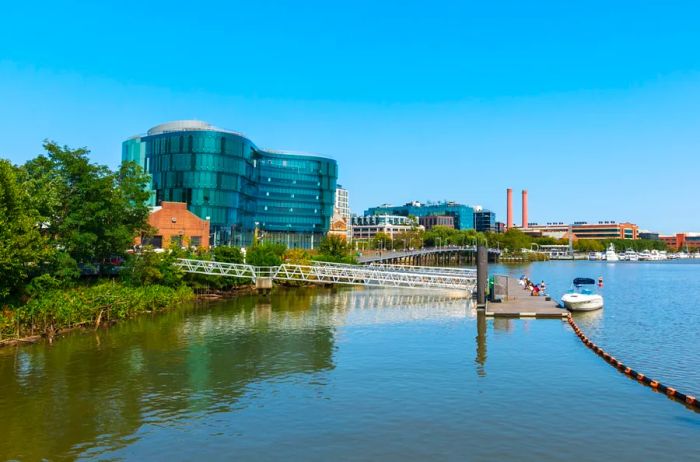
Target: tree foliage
<point x="335" y="249"/>
<point x="60" y="212"/>
<point x="266" y="254"/>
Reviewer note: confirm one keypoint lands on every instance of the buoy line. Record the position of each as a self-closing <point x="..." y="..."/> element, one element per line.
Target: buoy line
<point x="689" y="400"/>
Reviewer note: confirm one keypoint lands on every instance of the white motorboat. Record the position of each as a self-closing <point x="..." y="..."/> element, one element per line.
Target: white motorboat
<point x="582" y="299"/>
<point x="610" y="255"/>
<point x="594" y="256"/>
<point x="631" y="255"/>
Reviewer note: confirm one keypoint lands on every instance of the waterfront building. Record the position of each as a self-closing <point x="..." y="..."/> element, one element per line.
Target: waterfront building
<point x="484" y="220"/>
<point x="682" y="241"/>
<point x="367" y="227"/>
<point x="175" y="225"/>
<point x="584" y="230"/>
<point x="463" y="215"/>
<point x="649" y="235"/>
<point x="225" y="178"/>
<point x="429" y="221"/>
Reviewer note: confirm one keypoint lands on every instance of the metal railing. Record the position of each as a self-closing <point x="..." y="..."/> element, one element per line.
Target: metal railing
<point x="336" y="273"/>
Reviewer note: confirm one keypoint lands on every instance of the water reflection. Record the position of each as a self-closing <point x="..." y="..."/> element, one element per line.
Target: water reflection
<point x="91" y="393"/>
<point x="56" y="399"/>
<point x="481" y="344"/>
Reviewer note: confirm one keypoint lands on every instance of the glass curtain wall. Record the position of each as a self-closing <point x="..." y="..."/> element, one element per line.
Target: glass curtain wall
<point x="224" y="178"/>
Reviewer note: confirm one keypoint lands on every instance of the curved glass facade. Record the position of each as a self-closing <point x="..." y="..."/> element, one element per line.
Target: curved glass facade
<point x="224" y="177"/>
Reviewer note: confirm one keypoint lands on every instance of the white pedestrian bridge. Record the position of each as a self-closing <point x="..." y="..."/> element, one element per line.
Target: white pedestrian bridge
<point x="376" y="275"/>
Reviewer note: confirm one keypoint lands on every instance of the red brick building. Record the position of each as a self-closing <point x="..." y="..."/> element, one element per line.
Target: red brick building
<point x="682" y="241"/>
<point x="174" y="223"/>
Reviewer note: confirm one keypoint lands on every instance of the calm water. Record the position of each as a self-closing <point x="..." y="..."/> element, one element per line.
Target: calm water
<point x="359" y="374"/>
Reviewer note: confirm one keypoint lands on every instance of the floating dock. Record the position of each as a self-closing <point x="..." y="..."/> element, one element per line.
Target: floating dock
<point x="518" y="303"/>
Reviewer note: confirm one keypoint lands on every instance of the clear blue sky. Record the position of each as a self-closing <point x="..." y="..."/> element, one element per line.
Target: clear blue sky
<point x="593" y="107"/>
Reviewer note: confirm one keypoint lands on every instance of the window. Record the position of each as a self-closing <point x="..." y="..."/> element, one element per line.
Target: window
<point x="196" y="241"/>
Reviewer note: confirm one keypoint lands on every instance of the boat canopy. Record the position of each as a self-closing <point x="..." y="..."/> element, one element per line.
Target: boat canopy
<point x="583" y="281"/>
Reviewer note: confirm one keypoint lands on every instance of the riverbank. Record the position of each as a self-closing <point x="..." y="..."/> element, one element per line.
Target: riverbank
<point x="57" y="311"/>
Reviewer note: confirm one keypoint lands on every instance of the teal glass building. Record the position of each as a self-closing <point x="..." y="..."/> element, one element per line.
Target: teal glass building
<point x="225" y="178"/>
<point x="463" y="214"/>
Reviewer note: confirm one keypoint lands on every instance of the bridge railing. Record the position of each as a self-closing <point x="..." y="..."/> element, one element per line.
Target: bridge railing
<point x="334" y="273"/>
<point x="217" y="268"/>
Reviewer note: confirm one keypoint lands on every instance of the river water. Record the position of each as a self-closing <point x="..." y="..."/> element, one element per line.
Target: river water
<point x="358" y="374"/>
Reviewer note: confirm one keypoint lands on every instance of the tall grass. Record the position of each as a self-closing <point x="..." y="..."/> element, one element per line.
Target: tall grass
<point x="54" y="310"/>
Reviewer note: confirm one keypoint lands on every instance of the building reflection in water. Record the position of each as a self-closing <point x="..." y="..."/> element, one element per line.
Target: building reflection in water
<point x="89" y="394"/>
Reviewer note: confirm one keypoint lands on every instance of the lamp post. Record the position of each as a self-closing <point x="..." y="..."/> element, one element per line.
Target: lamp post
<point x="439" y="241"/>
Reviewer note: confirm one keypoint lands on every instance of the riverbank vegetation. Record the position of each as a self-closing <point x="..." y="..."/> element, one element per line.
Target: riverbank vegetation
<point x="66" y="226"/>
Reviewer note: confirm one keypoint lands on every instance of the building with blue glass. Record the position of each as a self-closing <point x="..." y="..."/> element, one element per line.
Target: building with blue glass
<point x="463" y="214"/>
<point x="225" y="178"/>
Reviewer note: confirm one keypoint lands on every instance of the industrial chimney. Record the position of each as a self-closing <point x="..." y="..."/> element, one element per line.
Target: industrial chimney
<point x="524" y="208"/>
<point x="509" y="208"/>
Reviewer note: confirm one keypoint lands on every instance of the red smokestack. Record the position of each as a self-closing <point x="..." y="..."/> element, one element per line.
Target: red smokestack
<point x="524" y="208"/>
<point x="509" y="207"/>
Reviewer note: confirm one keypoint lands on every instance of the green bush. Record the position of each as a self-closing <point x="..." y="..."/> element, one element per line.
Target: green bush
<point x="267" y="254"/>
<point x="108" y="301"/>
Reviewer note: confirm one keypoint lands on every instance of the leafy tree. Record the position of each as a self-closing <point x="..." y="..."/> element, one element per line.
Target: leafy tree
<point x="297" y="257"/>
<point x="22" y="248"/>
<point x="266" y="254"/>
<point x="335" y="249"/>
<point x="150" y="267"/>
<point x="228" y="254"/>
<point x="86" y="209"/>
<point x="382" y="241"/>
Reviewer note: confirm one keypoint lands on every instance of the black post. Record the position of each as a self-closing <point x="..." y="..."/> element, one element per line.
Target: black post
<point x="482" y="276"/>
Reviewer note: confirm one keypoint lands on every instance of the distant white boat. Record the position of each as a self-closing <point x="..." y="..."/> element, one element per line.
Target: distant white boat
<point x="631" y="255"/>
<point x="594" y="256"/>
<point x="582" y="299"/>
<point x="610" y="255"/>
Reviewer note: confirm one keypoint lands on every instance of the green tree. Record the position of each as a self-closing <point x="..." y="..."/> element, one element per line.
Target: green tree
<point x="228" y="254"/>
<point x="22" y="248"/>
<point x="86" y="209"/>
<point x="266" y="254"/>
<point x="382" y="241"/>
<point x="335" y="249"/>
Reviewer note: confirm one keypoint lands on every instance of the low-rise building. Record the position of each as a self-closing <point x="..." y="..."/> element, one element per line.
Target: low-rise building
<point x="585" y="230"/>
<point x="367" y="227"/>
<point x="437" y="220"/>
<point x="175" y="225"/>
<point x="682" y="241"/>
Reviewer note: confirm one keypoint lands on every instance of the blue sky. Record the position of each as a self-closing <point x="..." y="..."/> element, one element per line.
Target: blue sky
<point x="593" y="106"/>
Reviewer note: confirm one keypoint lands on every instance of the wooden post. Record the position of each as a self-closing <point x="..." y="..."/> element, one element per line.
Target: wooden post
<point x="482" y="276"/>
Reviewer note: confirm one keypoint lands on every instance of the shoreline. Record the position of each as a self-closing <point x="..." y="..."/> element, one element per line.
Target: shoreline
<point x="202" y="297"/>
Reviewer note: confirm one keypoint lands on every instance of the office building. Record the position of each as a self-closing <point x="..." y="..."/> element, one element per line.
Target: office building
<point x="463" y="215"/>
<point x="367" y="227"/>
<point x="485" y="220"/>
<point x="682" y="241"/>
<point x="342" y="202"/>
<point x="224" y="178"/>
<point x="429" y="221"/>
<point x="585" y="230"/>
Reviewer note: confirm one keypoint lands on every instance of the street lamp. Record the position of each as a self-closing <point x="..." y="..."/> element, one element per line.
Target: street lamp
<point x="439" y="240"/>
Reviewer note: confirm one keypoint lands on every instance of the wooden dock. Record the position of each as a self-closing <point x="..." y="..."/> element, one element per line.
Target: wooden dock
<point x="518" y="303"/>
